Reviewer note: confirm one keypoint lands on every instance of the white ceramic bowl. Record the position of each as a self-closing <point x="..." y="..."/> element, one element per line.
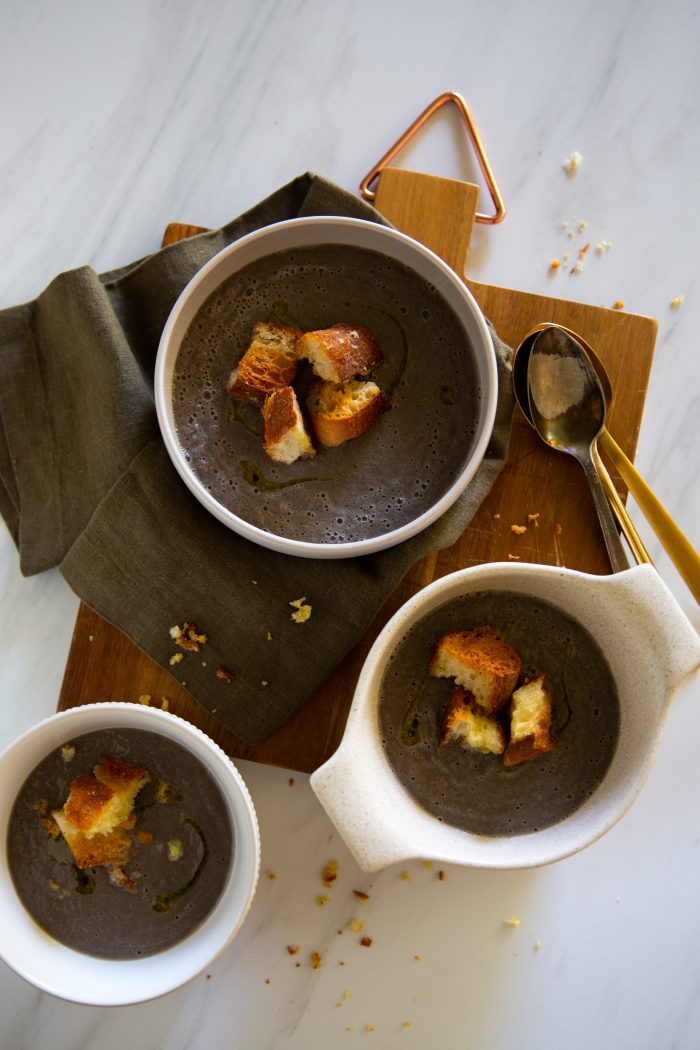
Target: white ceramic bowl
<point x="650" y="647"/>
<point x="70" y="975"/>
<point x="305" y="233"/>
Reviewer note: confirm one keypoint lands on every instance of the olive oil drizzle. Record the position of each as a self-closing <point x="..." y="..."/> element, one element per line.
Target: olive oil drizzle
<point x="255" y="477"/>
<point x="163" y="902"/>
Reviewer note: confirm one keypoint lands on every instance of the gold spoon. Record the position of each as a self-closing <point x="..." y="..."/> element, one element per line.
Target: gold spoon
<point x="567" y="406"/>
<point x="520" y="365"/>
<point x="678" y="547"/>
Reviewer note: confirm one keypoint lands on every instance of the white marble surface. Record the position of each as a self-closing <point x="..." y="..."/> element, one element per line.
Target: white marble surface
<point x="117" y="118"/>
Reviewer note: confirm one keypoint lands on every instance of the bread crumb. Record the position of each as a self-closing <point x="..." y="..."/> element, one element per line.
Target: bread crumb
<point x="582" y="251"/>
<point x="164" y="703"/>
<point x="406" y="1024"/>
<point x="356" y="925"/>
<point x="322" y="899"/>
<point x="330" y="872"/>
<point x="512" y="922"/>
<point x="418" y="958"/>
<point x="303" y="611"/>
<point x="315" y="960"/>
<point x="532" y="518"/>
<point x="369" y="1027"/>
<point x="68" y="753"/>
<point x="554" y="264"/>
<point x="405" y="876"/>
<point x="577" y="267"/>
<point x="618" y="304"/>
<point x="291" y="781"/>
<point x="366" y="942"/>
<point x="267" y="980"/>
<point x="677" y="302"/>
<point x="441" y="875"/>
<point x="91" y="637"/>
<point x="293" y="949"/>
<point x="513" y="557"/>
<point x="427" y="864"/>
<point x="572" y="163"/>
<point x="518" y="529"/>
<point x="187" y="637"/>
<point x="144" y="837"/>
<point x="145" y="699"/>
<point x="361" y="895"/>
<point x="175" y="659"/>
<point x="175" y="850"/>
<point x="538" y="946"/>
<point x="271" y="875"/>
<point x="557" y="529"/>
<point x="224" y="673"/>
<point x="582" y="225"/>
<point x="269" y="637"/>
<point x="347" y="996"/>
<point x="602" y="247"/>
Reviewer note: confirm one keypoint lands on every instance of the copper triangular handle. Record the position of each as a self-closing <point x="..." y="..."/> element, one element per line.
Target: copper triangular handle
<point x="463" y="110"/>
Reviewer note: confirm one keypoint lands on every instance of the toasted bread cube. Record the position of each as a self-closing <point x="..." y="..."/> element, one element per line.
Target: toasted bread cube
<point x="467" y="723"/>
<point x="530" y="722"/>
<point x="97" y="850"/>
<point x="480" y="661"/>
<point x="285" y="438"/>
<point x="96" y="805"/>
<point x="342" y="411"/>
<point x="340" y="352"/>
<point x="269" y="363"/>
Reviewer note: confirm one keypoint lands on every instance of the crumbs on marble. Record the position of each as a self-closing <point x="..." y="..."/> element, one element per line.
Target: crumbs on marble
<point x="316" y="960"/>
<point x="573" y="163"/>
<point x="322" y="899"/>
<point x="330" y="872"/>
<point x="366" y="942"/>
<point x="677" y="302"/>
<point x="356" y="925"/>
<point x="513" y="921"/>
<point x="293" y="949"/>
<point x="619" y="304"/>
<point x="360" y="895"/>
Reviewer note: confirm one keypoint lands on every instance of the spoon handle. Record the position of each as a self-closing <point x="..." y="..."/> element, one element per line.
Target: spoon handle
<point x="616" y="551"/>
<point x="639" y="551"/>
<point x="678" y="548"/>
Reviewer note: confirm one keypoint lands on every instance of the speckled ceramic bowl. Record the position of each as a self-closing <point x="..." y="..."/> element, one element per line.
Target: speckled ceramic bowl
<point x="650" y="647"/>
<point x="71" y="975"/>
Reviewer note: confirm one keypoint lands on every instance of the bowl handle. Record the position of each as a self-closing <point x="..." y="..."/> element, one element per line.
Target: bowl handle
<point x="357" y="798"/>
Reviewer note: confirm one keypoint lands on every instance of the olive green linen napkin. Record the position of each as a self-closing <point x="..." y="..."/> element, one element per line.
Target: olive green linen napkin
<point x="86" y="484"/>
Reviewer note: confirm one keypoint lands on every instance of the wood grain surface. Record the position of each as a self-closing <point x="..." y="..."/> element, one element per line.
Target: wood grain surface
<point x="104" y="665"/>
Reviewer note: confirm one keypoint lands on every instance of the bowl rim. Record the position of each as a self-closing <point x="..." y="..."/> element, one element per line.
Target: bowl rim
<point x="306" y="548"/>
<point x="89" y="980"/>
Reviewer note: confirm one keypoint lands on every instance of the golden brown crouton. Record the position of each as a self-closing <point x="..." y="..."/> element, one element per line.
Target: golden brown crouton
<point x="530" y="722"/>
<point x="97" y="850"/>
<point x="340" y="352"/>
<point x="342" y="411"/>
<point x="284" y="435"/>
<point x="270" y="362"/>
<point x="480" y="661"/>
<point x="467" y="723"/>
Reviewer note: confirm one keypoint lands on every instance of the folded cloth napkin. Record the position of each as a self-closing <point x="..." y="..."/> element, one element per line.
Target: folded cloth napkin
<point x="86" y="484"/>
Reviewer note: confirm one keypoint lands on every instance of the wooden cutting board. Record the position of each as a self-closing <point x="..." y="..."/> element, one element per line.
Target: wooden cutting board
<point x="105" y="665"/>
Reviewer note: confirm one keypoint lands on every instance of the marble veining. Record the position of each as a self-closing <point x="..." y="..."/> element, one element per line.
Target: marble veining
<point x="118" y="119"/>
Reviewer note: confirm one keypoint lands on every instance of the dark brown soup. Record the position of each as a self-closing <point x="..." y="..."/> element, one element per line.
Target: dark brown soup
<point x="376" y="483"/>
<point x="474" y="791"/>
<point x="182" y="805"/>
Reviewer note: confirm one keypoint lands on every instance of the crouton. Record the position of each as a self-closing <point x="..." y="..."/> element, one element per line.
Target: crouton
<point x="339" y="412"/>
<point x="113" y="848"/>
<point x="284" y="435"/>
<point x="340" y="352"/>
<point x="480" y="661"/>
<point x="98" y="804"/>
<point x="467" y="723"/>
<point x="530" y="722"/>
<point x="269" y="363"/>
